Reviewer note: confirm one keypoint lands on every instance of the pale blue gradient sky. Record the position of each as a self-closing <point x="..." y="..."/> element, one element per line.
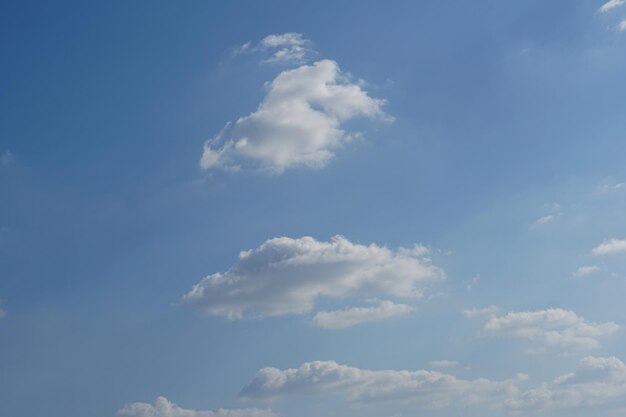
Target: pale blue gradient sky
<point x="505" y="112"/>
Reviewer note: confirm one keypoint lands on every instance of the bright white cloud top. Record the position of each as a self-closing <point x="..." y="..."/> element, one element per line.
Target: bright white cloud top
<point x="286" y="276"/>
<point x="341" y="319"/>
<point x="596" y="382"/>
<point x="298" y="123"/>
<point x="610" y="247"/>
<point x="164" y="408"/>
<point x="552" y="327"/>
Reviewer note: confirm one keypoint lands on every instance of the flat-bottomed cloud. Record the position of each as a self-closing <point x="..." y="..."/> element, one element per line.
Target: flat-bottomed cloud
<point x="287" y="276"/>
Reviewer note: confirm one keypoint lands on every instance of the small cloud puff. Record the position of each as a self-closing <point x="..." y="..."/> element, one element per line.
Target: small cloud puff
<point x="609" y="247"/>
<point x="585" y="270"/>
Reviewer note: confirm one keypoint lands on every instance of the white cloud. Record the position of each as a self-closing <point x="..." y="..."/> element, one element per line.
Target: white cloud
<point x="545" y="219"/>
<point x="428" y="388"/>
<point x="609" y="247"/>
<point x="164" y="408"/>
<point x="3" y="313"/>
<point x="550" y="327"/>
<point x="611" y="4"/>
<point x="286" y="276"/>
<point x="477" y="312"/>
<point x="298" y="123"/>
<point x="286" y="48"/>
<point x="609" y="186"/>
<point x="341" y="319"/>
<point x="443" y="364"/>
<point x="290" y="47"/>
<point x="585" y="270"/>
<point x="596" y="382"/>
<point x="622" y="25"/>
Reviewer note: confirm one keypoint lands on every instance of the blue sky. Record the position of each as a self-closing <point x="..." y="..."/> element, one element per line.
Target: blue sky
<point x="255" y="209"/>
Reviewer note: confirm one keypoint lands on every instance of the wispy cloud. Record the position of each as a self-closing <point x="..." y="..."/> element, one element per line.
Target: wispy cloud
<point x="611" y="4"/>
<point x="285" y="48"/>
<point x="585" y="270"/>
<point x="165" y="408"/>
<point x="341" y="319"/>
<point x="443" y="364"/>
<point x="287" y="276"/>
<point x="478" y="312"/>
<point x="610" y="247"/>
<point x="545" y="219"/>
<point x="6" y="158"/>
<point x="551" y="327"/>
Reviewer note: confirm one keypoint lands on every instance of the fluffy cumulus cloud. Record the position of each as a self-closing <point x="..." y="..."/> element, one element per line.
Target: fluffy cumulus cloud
<point x="340" y="319"/>
<point x="610" y="247"/>
<point x="551" y="327"/>
<point x="298" y="123"/>
<point x="287" y="276"/>
<point x="165" y="408"/>
<point x="428" y="388"/>
<point x="596" y="382"/>
<point x="611" y="4"/>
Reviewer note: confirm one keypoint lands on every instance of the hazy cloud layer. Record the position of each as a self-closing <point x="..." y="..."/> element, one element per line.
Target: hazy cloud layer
<point x="164" y="408"/>
<point x="340" y="319"/>
<point x="286" y="276"/>
<point x="596" y="382"/>
<point x="550" y="327"/>
<point x="428" y="388"/>
<point x="298" y="123"/>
